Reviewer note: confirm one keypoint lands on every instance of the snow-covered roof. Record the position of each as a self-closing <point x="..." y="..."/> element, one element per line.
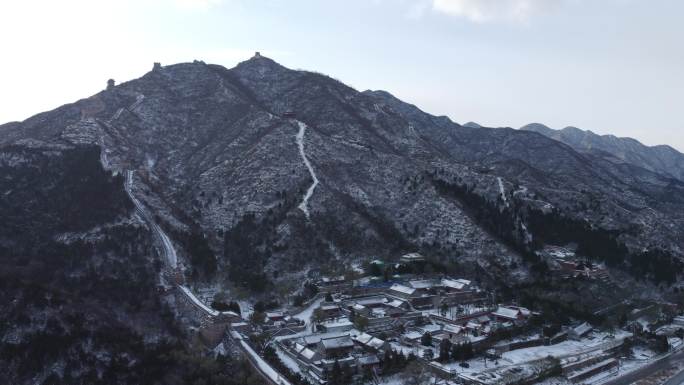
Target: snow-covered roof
<point x="422" y="284"/>
<point x="402" y="289"/>
<point x="369" y="360"/>
<point x="458" y="284"/>
<point x="347" y="359"/>
<point x="336" y="343"/>
<point x="507" y="312"/>
<point x="339" y="278"/>
<point x="307" y="353"/>
<point x="339" y="323"/>
<point x="412" y="257"/>
<point x="525" y="311"/>
<point x="396" y="303"/>
<point x="316" y="338"/>
<point x="582" y="329"/>
<point x="453" y="329"/>
<point x="369" y="340"/>
<point x="512" y="312"/>
<point x="412" y="335"/>
<point x="430" y="328"/>
<point x="304" y="351"/>
<point x="376" y="300"/>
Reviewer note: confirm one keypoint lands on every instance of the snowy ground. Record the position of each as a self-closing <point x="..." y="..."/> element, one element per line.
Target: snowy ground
<point x="392" y="380"/>
<point x="594" y="343"/>
<point x="305" y="315"/>
<point x="287" y="360"/>
<point x="304" y="206"/>
<point x="642" y="357"/>
<point x="406" y="350"/>
<point x="476" y="365"/>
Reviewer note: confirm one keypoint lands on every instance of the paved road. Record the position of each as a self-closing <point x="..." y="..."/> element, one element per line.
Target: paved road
<point x="649" y="370"/>
<point x="676" y="380"/>
<point x="168" y="250"/>
<point x="261" y="367"/>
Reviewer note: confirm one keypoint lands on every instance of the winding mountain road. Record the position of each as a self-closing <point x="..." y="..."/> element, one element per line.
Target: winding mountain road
<point x="168" y="249"/>
<point x="269" y="374"/>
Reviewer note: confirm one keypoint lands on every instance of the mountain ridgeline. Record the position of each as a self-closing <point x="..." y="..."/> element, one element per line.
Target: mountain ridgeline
<point x="663" y="160"/>
<point x="220" y="165"/>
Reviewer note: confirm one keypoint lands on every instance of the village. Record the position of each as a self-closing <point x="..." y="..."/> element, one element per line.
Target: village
<point x="373" y="330"/>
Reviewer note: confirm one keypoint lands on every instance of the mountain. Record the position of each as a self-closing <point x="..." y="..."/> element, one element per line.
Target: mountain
<point x="661" y="159"/>
<point x="79" y="276"/>
<point x="262" y="175"/>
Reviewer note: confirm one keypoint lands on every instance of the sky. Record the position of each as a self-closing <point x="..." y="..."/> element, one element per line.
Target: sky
<point x="611" y="66"/>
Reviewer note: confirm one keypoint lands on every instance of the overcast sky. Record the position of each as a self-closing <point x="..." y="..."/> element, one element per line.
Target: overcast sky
<point x="612" y="66"/>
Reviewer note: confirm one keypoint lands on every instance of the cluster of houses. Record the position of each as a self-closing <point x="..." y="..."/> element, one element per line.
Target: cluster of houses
<point x="564" y="263"/>
<point x="279" y="322"/>
<point x="351" y="350"/>
<point x="355" y="330"/>
<point x="576" y="269"/>
<point x="430" y="293"/>
<point x="353" y="325"/>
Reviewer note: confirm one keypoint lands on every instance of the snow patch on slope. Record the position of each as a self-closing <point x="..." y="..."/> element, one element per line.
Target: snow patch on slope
<point x="502" y="190"/>
<point x="304" y="206"/>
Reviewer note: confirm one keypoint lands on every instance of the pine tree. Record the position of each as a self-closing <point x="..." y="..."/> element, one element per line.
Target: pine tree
<point x="426" y="339"/>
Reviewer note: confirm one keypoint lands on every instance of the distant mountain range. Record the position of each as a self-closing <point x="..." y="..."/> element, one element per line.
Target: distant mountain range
<point x="661" y="159"/>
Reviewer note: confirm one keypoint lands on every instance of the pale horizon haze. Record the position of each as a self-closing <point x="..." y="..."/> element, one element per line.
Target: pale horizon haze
<point x="610" y="66"/>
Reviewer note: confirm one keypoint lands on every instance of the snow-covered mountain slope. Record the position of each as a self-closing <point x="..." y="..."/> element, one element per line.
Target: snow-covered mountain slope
<point x="217" y="153"/>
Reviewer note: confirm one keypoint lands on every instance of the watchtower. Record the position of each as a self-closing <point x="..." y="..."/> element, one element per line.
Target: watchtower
<point x="110" y="84"/>
<point x="257" y="54"/>
<point x="156" y="66"/>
